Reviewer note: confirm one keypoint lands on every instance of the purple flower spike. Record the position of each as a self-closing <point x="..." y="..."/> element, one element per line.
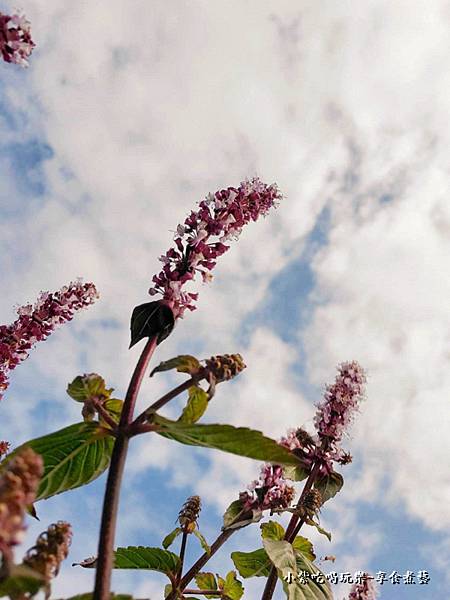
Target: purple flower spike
<point x="16" y="44"/>
<point x="335" y="412"/>
<point x="200" y="240"/>
<point x="35" y="323"/>
<point x="270" y="491"/>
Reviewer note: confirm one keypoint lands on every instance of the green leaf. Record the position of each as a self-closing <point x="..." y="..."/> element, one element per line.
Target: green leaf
<point x="196" y="405"/>
<point x="296" y="473"/>
<point x="316" y="586"/>
<point x="235" y="440"/>
<point x="281" y="555"/>
<point x="272" y="531"/>
<point x="22" y="580"/>
<point x="151" y="319"/>
<point x="141" y="557"/>
<point x="319" y="528"/>
<point x="329" y="485"/>
<point x="207" y="581"/>
<point x="89" y="596"/>
<point x="114" y="407"/>
<point x="169" y="539"/>
<point x="73" y="456"/>
<point x="232" y="587"/>
<point x="304" y="546"/>
<point x="184" y="363"/>
<point x="252" y="564"/>
<point x="235" y="511"/>
<point x="204" y="544"/>
<point x="85" y="387"/>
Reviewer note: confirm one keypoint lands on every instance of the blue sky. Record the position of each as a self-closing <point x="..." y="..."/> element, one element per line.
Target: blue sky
<point x="125" y="119"/>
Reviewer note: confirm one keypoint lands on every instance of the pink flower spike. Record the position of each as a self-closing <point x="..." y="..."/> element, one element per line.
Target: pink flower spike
<point x="16" y="44"/>
<point x="336" y="411"/>
<point x="199" y="241"/>
<point x="35" y="323"/>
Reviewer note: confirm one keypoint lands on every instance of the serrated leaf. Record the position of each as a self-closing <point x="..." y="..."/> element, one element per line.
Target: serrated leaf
<point x="169" y="539"/>
<point x="207" y="581"/>
<point x="252" y="564"/>
<point x="235" y="440"/>
<point x="272" y="531"/>
<point x="73" y="456"/>
<point x="329" y="485"/>
<point x="184" y="363"/>
<point x="319" y="528"/>
<point x="22" y="580"/>
<point x="142" y="557"/>
<point x="151" y="319"/>
<point x="232" y="587"/>
<point x="85" y="387"/>
<point x="196" y="405"/>
<point x="304" y="546"/>
<point x="204" y="544"/>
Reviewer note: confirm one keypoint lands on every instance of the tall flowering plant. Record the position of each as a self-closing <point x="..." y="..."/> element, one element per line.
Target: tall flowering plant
<point x="79" y="453"/>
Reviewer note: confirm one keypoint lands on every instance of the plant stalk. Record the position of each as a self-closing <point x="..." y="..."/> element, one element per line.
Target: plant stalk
<point x="115" y="473"/>
<point x="292" y="530"/>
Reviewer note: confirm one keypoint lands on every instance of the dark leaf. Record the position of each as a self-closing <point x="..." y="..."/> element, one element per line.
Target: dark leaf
<point x="329" y="485"/>
<point x="141" y="557"/>
<point x="150" y="319"/>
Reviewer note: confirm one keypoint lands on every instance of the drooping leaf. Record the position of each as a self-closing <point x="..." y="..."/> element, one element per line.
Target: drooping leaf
<point x="73" y="456"/>
<point x="272" y="531"/>
<point x="231" y="586"/>
<point x="235" y="517"/>
<point x="150" y="319"/>
<point x="207" y="581"/>
<point x="141" y="557"/>
<point x="21" y="580"/>
<point x="233" y="510"/>
<point x="184" y="363"/>
<point x="329" y="485"/>
<point x="204" y="544"/>
<point x="235" y="440"/>
<point x="196" y="405"/>
<point x="169" y="539"/>
<point x="315" y="524"/>
<point x="304" y="546"/>
<point x="316" y="586"/>
<point x="252" y="564"/>
<point x="85" y="387"/>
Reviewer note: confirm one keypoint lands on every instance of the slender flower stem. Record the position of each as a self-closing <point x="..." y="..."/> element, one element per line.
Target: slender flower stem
<point x="182" y="553"/>
<point x="292" y="529"/>
<point x="111" y="499"/>
<point x="201" y="562"/>
<point x="167" y="397"/>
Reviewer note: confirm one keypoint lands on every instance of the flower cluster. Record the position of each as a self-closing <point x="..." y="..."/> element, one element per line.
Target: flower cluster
<point x="366" y="590"/>
<point x="35" y="323"/>
<point x="335" y="412"/>
<point x="16" y="44"/>
<point x="18" y="485"/>
<point x="224" y="367"/>
<point x="270" y="491"/>
<point x="200" y="240"/>
<point x="51" y="548"/>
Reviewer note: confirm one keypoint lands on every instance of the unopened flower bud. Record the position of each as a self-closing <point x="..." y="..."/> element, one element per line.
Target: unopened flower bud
<point x="311" y="503"/>
<point x="225" y="367"/>
<point x="51" y="548"/>
<point x="18" y="485"/>
<point x="188" y="515"/>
